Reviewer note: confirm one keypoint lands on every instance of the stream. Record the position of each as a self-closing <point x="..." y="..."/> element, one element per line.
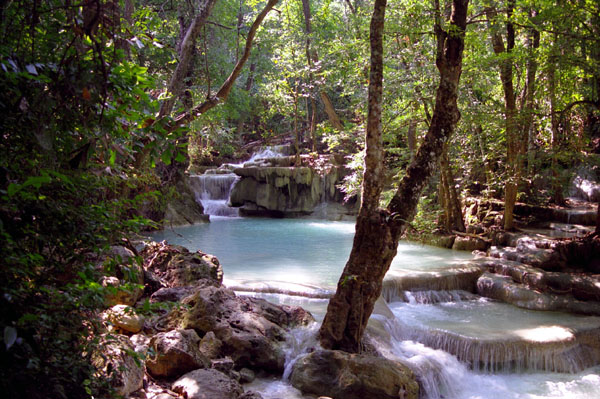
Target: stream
<point x="460" y="345"/>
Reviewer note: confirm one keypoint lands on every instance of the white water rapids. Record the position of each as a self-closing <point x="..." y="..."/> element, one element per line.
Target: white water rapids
<point x="439" y="332"/>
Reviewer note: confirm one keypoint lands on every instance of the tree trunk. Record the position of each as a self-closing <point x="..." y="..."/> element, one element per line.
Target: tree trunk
<point x="378" y="231"/>
<point x="510" y="112"/>
<point x="453" y="208"/>
<point x="487" y="167"/>
<point x="598" y="219"/>
<point x="411" y="138"/>
<point x="296" y="133"/>
<point x="186" y="54"/>
<point x="527" y="127"/>
<point x="312" y="58"/>
<point x="557" y="188"/>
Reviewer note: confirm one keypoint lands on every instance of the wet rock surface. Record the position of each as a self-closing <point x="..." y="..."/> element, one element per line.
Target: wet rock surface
<point x="174" y="353"/>
<point x="341" y="375"/>
<point x="207" y="384"/>
<point x="251" y="330"/>
<point x="275" y="188"/>
<point x="200" y="329"/>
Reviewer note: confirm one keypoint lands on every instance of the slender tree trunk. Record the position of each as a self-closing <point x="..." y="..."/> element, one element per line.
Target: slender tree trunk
<point x="527" y="126"/>
<point x="453" y="210"/>
<point x="444" y="201"/>
<point x="556" y="142"/>
<point x="312" y="58"/>
<point x="598" y="219"/>
<point x="486" y="162"/>
<point x="510" y="113"/>
<point x="186" y="54"/>
<point x="248" y="88"/>
<point x="296" y="134"/>
<point x="411" y="138"/>
<point x="377" y="230"/>
<point x="313" y="123"/>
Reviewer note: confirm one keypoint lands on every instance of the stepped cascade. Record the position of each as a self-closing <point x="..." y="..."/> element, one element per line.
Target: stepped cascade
<point x="434" y="315"/>
<point x="213" y="188"/>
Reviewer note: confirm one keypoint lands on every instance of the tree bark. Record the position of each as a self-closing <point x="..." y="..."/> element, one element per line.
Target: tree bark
<point x="557" y="188"/>
<point x="527" y="126"/>
<point x="186" y="53"/>
<point x="452" y="207"/>
<point x="411" y="138"/>
<point x="378" y="230"/>
<point x="312" y="58"/>
<point x="510" y="112"/>
<point x="597" y="232"/>
<point x="226" y="87"/>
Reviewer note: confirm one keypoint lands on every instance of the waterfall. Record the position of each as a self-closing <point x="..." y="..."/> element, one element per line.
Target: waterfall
<point x="212" y="190"/>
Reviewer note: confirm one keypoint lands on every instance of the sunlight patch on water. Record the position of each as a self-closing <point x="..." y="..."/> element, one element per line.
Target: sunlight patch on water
<point x="545" y="334"/>
<point x="341" y="227"/>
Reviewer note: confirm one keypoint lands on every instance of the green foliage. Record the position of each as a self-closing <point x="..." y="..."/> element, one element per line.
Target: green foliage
<point x="54" y="228"/>
<point x="75" y="112"/>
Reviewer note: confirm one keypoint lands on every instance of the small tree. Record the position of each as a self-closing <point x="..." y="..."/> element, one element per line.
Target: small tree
<point x="378" y="231"/>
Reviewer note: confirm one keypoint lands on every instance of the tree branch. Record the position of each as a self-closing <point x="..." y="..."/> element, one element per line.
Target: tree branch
<point x="226" y="87"/>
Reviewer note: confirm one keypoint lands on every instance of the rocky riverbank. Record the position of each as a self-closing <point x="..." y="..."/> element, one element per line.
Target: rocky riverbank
<point x="186" y="335"/>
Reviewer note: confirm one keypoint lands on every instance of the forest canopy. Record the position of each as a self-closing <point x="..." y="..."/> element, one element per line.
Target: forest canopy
<point x="104" y="103"/>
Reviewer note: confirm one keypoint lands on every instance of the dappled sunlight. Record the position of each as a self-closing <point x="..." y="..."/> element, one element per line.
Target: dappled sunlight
<point x="342" y="227"/>
<point x="546" y="334"/>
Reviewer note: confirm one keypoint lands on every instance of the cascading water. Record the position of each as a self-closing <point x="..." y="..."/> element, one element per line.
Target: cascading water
<point x="212" y="189"/>
<point x="460" y="345"/>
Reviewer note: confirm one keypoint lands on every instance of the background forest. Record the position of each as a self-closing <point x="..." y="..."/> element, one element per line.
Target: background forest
<point x="105" y="103"/>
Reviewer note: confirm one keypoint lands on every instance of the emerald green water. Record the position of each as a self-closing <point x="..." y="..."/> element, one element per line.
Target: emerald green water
<point x="293" y="251"/>
<point x="306" y="257"/>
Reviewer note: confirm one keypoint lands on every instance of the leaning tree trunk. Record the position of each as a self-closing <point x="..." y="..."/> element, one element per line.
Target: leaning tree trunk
<point x="378" y="230"/>
<point x="186" y="54"/>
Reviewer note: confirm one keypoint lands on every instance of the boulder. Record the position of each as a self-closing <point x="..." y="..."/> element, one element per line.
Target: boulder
<point x="119" y="292"/>
<point x="207" y="384"/>
<point x="125" y="318"/>
<point x="287" y="191"/>
<point x="224" y="365"/>
<point x="342" y="375"/>
<point x="141" y="343"/>
<point x="470" y="244"/>
<point x="175" y="266"/>
<point x="251" y="395"/>
<point x="172" y="294"/>
<point x="246" y="375"/>
<point x="183" y="209"/>
<point x="175" y="353"/>
<point x="210" y="345"/>
<point x="504" y="289"/>
<point x="117" y="365"/>
<point x="251" y="330"/>
<point x="438" y="240"/>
